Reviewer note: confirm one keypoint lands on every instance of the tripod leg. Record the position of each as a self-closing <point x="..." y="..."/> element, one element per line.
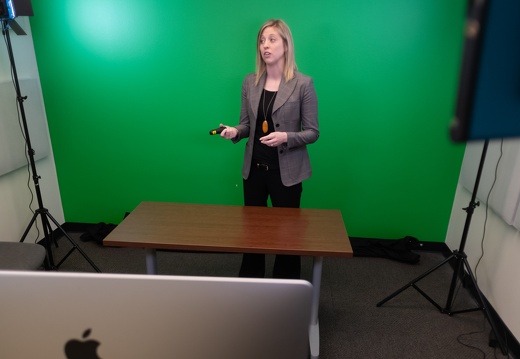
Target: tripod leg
<point x="49" y="262"/>
<point x="73" y="243"/>
<point x="29" y="226"/>
<point x="412" y="283"/>
<point x="483" y="306"/>
<point x="456" y="273"/>
<point x="47" y="232"/>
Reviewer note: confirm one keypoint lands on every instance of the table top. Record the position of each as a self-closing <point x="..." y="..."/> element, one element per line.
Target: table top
<point x="222" y="228"/>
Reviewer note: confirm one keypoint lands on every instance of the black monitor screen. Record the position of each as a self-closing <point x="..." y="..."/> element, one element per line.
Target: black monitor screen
<point x="488" y="103"/>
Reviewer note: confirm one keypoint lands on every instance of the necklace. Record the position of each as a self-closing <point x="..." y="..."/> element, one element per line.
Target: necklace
<point x="265" y="125"/>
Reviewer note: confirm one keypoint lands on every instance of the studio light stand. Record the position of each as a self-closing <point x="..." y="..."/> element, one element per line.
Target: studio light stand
<point x="41" y="212"/>
<point x="460" y="263"/>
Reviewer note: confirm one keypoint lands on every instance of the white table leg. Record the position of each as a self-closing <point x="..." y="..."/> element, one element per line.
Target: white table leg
<point x="314" y="329"/>
<point x="151" y="261"/>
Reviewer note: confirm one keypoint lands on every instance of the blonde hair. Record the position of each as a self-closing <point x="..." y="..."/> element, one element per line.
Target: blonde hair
<point x="289" y="63"/>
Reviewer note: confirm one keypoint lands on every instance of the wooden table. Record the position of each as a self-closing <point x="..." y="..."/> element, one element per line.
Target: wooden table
<point x="239" y="229"/>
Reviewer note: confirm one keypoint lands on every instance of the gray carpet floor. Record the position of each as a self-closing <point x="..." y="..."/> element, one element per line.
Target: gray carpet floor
<point x="351" y="325"/>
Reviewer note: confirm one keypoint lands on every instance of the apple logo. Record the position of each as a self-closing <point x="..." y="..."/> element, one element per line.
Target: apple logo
<point x="77" y="349"/>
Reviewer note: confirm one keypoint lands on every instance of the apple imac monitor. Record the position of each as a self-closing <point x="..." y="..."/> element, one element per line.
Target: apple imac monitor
<point x="80" y="315"/>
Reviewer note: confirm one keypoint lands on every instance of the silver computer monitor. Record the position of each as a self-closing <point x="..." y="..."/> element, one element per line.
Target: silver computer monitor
<point x="80" y="315"/>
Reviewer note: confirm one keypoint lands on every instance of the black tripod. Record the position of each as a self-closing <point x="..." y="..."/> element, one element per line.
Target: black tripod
<point x="461" y="263"/>
<point x="43" y="212"/>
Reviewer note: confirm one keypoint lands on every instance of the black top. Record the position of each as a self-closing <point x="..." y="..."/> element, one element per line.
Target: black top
<point x="262" y="153"/>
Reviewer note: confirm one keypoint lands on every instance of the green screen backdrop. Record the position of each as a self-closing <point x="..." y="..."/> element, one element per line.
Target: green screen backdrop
<point x="131" y="89"/>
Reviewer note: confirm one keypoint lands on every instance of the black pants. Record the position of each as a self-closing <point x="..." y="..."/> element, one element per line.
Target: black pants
<point x="257" y="189"/>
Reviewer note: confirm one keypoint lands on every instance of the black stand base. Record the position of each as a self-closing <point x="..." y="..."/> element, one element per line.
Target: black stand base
<point x="460" y="264"/>
<point x="47" y="241"/>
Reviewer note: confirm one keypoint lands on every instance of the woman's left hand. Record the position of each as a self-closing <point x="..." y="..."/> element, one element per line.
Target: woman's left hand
<point x="274" y="139"/>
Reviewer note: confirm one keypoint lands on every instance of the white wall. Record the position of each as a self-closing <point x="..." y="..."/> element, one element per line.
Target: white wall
<point x="499" y="270"/>
<point x="15" y="196"/>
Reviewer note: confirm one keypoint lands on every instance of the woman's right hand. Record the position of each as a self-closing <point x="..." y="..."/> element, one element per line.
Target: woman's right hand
<point x="229" y="132"/>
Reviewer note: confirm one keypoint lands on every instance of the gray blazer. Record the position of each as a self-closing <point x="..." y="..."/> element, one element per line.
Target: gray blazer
<point x="295" y="111"/>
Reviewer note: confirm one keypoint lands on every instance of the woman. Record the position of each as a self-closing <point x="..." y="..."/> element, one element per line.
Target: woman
<point x="279" y="116"/>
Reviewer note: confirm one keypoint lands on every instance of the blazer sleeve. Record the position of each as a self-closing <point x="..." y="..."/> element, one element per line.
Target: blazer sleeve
<point x="244" y="124"/>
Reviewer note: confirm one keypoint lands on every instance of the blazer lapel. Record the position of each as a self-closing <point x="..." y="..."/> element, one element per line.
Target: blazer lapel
<point x="256" y="94"/>
<point x="285" y="91"/>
